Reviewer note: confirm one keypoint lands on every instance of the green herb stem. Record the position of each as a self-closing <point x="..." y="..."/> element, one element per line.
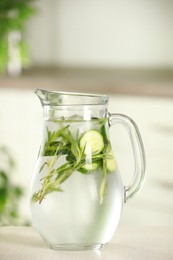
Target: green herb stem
<point x="62" y="143"/>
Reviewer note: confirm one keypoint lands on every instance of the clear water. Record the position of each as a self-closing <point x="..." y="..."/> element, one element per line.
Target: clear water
<point x="75" y="217"/>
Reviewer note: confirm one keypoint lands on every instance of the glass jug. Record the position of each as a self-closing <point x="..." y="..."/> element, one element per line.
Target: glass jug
<point x="77" y="194"/>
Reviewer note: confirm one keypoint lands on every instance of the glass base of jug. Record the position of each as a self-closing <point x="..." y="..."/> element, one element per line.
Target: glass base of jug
<point x="76" y="247"/>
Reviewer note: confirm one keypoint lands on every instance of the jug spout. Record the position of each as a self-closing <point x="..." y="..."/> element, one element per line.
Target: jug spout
<point x="49" y="97"/>
<point x="40" y="94"/>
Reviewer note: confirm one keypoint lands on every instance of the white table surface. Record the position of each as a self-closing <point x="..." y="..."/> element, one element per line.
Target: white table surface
<point x="24" y="243"/>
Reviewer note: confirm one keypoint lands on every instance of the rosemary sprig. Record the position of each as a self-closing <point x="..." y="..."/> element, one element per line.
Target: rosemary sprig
<point x="62" y="142"/>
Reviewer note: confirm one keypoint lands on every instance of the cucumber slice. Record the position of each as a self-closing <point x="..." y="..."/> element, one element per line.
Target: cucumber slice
<point x="91" y="142"/>
<point x="111" y="164"/>
<point x="90" y="167"/>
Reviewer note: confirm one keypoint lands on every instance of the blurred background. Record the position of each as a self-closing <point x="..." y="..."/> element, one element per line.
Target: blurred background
<point x="120" y="48"/>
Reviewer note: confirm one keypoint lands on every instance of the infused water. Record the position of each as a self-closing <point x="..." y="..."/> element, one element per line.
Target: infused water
<point x="77" y="193"/>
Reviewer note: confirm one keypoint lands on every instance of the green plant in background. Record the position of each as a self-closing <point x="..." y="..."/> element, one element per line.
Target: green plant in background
<point x="13" y="17"/>
<point x="10" y="194"/>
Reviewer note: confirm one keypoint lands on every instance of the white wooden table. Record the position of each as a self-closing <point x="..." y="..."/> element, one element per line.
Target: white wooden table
<point x="24" y="243"/>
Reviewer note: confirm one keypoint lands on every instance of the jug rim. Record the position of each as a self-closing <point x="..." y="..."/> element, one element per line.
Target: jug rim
<point x="67" y="98"/>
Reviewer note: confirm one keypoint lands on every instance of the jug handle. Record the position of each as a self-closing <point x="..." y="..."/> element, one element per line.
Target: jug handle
<point x="138" y="153"/>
